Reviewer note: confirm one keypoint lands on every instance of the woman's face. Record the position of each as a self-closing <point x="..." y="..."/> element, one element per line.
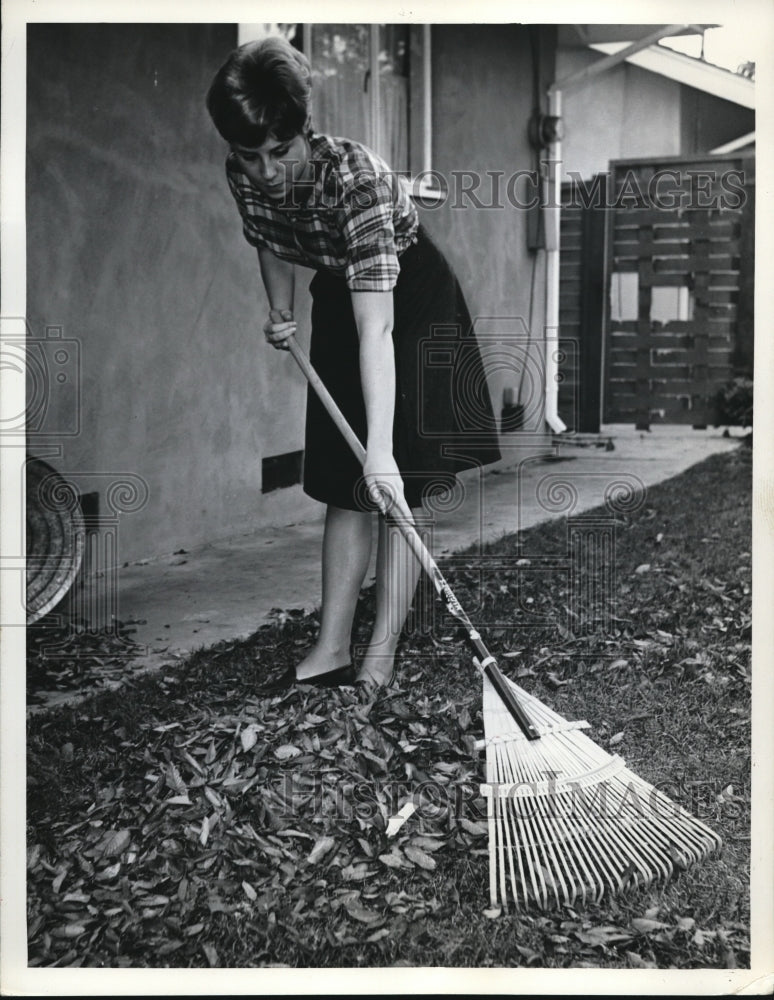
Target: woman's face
<point x="275" y="166"/>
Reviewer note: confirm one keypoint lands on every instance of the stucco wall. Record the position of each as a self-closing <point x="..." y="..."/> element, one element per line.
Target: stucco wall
<point x="629" y="112"/>
<point x="134" y="248"/>
<point x="482" y="101"/>
<point x="625" y="112"/>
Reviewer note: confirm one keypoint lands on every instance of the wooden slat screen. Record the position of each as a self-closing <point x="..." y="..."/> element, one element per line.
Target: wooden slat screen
<point x="675" y="225"/>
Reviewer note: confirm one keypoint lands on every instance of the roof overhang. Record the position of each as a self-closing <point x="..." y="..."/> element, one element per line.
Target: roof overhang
<point x="744" y="143"/>
<point x="581" y="35"/>
<point x="691" y="72"/>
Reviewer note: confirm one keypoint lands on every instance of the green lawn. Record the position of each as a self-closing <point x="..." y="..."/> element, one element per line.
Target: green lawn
<point x="183" y="822"/>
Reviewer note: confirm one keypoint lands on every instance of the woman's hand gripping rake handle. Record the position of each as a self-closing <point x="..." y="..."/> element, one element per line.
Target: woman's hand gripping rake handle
<point x="401" y="516"/>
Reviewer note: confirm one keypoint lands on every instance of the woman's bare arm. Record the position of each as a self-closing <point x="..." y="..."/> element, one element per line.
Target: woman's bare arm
<point x="374" y="319"/>
<point x="279" y="280"/>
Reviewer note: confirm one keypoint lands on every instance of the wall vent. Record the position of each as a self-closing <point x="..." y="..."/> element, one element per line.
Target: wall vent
<point x="281" y="471"/>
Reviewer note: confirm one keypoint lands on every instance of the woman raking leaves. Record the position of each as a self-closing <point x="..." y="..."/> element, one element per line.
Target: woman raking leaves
<point x="381" y="291"/>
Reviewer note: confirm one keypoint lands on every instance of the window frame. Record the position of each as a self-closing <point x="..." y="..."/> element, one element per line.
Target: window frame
<point x="422" y="182"/>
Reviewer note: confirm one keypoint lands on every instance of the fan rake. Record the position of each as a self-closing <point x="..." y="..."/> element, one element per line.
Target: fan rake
<point x="566" y="818"/>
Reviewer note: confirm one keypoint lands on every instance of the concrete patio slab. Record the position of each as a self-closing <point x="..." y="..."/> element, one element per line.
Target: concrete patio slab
<point x="227" y="589"/>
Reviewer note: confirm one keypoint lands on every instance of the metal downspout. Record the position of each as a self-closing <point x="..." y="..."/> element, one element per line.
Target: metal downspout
<point x="552" y="222"/>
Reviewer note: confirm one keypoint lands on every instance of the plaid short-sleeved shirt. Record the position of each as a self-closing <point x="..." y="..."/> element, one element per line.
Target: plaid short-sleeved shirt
<point x="353" y="218"/>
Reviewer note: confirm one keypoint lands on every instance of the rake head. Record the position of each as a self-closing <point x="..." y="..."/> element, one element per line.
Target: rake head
<point x="568" y="820"/>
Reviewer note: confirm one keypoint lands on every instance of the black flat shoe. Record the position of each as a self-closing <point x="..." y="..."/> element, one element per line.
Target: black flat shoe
<point x="331" y="678"/>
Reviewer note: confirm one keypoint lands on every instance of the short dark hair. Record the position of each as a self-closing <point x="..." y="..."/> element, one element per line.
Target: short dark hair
<point x="263" y="88"/>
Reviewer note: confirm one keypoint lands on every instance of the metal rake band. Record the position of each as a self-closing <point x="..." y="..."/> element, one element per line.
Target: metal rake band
<point x="553" y="786"/>
<point x="559" y="727"/>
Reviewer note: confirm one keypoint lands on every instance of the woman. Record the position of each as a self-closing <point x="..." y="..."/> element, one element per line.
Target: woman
<point x="380" y="289"/>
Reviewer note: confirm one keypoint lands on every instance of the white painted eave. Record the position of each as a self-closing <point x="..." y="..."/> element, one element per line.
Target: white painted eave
<point x="731" y="147"/>
<point x="691" y="72"/>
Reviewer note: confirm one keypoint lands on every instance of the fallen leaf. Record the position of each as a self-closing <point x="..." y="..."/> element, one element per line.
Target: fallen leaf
<point x="645" y="926"/>
<point x="617" y="738"/>
<point x="287" y="752"/>
<point x="378" y="935"/>
<point x="603" y="936"/>
<point x="211" y="954"/>
<point x="464" y="719"/>
<point x="643" y="568"/>
<point x="248" y="737"/>
<point x="108" y="874"/>
<point x="393" y="860"/>
<point x="175" y="781"/>
<point x="637" y="962"/>
<point x="396" y="822"/>
<point x="33" y="856"/>
<point x="358" y="912"/>
<point x="212" y="797"/>
<point x="68" y="931"/>
<point x="249" y="891"/>
<point x="115" y="842"/>
<point x="679" y="860"/>
<point x="418" y="857"/>
<point x="320" y="849"/>
<point x="169" y="947"/>
<point x="365" y="847"/>
<point x="356" y="873"/>
<point x="427" y="844"/>
<point x="157" y="900"/>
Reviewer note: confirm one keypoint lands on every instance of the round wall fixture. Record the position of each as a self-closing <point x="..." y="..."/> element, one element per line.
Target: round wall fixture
<point x="544" y="129"/>
<point x="55" y="537"/>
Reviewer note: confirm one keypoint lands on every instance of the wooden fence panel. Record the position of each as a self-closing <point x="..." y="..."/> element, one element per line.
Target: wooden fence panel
<point x="679" y="257"/>
<point x="581" y="303"/>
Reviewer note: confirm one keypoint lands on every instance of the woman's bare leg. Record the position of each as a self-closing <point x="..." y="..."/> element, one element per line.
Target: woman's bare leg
<point x="397" y="573"/>
<point x="345" y="558"/>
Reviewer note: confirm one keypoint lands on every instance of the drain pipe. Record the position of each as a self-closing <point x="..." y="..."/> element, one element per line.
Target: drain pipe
<point x="552" y="220"/>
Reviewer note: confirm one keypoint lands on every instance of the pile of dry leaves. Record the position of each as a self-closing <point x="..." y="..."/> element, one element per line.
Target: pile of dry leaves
<point x="182" y="821"/>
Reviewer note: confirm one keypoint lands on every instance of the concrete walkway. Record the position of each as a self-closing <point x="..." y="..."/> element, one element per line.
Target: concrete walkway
<point x="226" y="590"/>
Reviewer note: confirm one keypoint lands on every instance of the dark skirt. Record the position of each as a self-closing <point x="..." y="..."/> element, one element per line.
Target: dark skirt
<point x="444" y="421"/>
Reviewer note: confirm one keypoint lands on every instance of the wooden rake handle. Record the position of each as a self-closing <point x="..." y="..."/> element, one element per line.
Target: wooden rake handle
<point x="400" y="514"/>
